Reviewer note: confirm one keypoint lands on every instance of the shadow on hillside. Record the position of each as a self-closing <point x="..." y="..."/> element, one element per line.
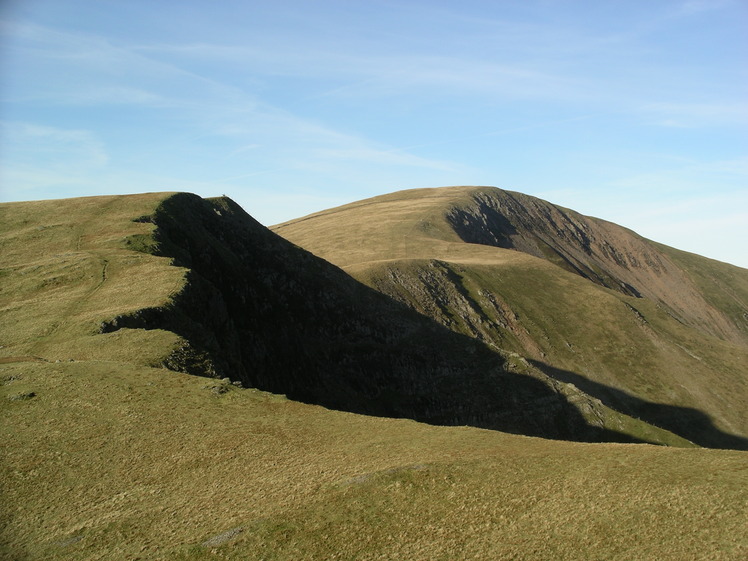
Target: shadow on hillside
<point x="687" y="422"/>
<point x="260" y="310"/>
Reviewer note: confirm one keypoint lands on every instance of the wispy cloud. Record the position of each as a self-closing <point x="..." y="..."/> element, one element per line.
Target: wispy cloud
<point x="242" y="149"/>
<point x="696" y="7"/>
<point x="226" y="122"/>
<point x="52" y="146"/>
<point x="113" y="95"/>
<point x="39" y="160"/>
<point x="374" y="74"/>
<point x="683" y="114"/>
<point x="390" y="157"/>
<point x="610" y="70"/>
<point x="52" y="66"/>
<point x="689" y="176"/>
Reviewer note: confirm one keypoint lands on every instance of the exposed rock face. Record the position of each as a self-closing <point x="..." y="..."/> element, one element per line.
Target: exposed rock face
<point x="600" y="251"/>
<point x="438" y="290"/>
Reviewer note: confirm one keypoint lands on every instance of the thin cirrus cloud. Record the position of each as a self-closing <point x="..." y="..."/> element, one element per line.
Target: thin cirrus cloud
<point x="370" y="74"/>
<point x="728" y="113"/>
<point x="66" y="68"/>
<point x="695" y="7"/>
<point x="111" y="75"/>
<point x="384" y="157"/>
<point x="364" y="75"/>
<point x="590" y="79"/>
<point x="56" y="146"/>
<point x="43" y="159"/>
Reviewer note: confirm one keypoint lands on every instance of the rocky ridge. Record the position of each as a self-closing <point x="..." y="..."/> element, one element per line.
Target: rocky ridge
<point x="603" y="252"/>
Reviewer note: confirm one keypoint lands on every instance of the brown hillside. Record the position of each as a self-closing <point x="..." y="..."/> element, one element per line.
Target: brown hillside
<point x="603" y="252"/>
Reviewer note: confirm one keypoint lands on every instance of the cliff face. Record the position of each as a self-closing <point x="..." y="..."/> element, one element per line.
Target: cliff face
<point x="604" y="253"/>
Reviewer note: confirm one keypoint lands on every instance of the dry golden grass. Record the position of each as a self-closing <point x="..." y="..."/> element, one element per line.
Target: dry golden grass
<point x="66" y="268"/>
<point x="404" y="225"/>
<point x="111" y="461"/>
<point x="106" y="458"/>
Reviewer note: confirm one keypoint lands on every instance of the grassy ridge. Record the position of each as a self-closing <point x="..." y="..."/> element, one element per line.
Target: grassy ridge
<point x="114" y="461"/>
<point x="105" y="456"/>
<point x="241" y="299"/>
<point x="67" y="267"/>
<point x="252" y="296"/>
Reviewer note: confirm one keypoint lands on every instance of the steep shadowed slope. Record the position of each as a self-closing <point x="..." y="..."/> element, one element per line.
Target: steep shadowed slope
<point x="649" y="330"/>
<point x="199" y="286"/>
<point x="608" y="255"/>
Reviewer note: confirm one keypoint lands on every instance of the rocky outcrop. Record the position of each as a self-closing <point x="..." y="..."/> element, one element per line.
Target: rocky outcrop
<point x="600" y="251"/>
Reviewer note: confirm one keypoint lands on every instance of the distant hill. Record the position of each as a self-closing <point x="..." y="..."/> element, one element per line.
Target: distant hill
<point x="651" y="331"/>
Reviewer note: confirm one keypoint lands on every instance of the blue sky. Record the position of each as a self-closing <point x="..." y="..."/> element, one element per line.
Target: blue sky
<point x="633" y="111"/>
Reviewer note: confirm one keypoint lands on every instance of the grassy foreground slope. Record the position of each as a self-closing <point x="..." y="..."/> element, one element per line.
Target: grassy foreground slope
<point x="115" y="461"/>
<point x="108" y="454"/>
<point x="651" y="331"/>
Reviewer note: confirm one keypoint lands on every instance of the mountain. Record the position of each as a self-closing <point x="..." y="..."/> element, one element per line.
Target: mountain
<point x="114" y="449"/>
<point x="653" y="332"/>
<point x="200" y="287"/>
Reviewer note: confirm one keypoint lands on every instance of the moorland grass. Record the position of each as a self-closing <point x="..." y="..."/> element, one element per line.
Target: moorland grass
<point x="67" y="268"/>
<point x="104" y="457"/>
<point x="109" y="460"/>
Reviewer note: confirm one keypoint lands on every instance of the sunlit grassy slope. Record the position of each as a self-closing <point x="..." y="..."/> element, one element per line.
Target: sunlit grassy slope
<point x="675" y="356"/>
<point x="107" y="455"/>
<point x="114" y="461"/>
<point x="66" y="266"/>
